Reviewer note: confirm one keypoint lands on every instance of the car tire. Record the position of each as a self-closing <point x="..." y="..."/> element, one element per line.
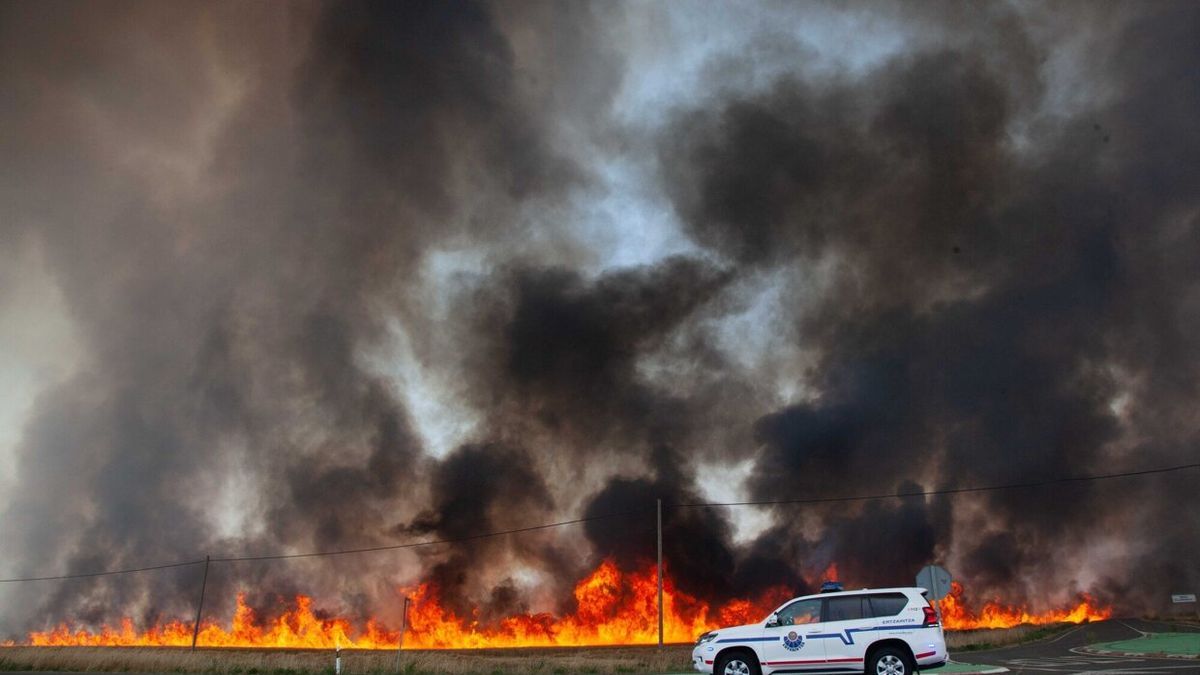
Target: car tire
<point x="737" y="663"/>
<point x="890" y="661"/>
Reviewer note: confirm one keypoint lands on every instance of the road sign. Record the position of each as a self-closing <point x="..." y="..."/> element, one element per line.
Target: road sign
<point x="936" y="580"/>
<point x="1180" y="598"/>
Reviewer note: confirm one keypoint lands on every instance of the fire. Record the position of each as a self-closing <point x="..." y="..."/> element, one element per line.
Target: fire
<point x="612" y="607"/>
<point x="298" y="627"/>
<point x="956" y="615"/>
<point x="831" y="572"/>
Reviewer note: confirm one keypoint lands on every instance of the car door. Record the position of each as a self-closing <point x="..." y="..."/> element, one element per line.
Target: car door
<point x="789" y="645"/>
<point x="847" y="623"/>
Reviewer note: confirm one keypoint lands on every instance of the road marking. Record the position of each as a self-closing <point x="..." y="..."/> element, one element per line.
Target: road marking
<point x="1074" y="660"/>
<point x="1069" y="664"/>
<point x="1116" y="658"/>
<point x="1077" y="628"/>
<point x="1189" y="626"/>
<point x="1143" y="633"/>
<point x="1149" y="669"/>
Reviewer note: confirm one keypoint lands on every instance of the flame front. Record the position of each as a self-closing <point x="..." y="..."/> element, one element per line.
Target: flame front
<point x="296" y="628"/>
<point x="956" y="615"/>
<point x="612" y="608"/>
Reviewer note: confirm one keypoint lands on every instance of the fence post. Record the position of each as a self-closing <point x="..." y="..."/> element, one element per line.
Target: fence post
<point x="200" y="605"/>
<point x="660" y="576"/>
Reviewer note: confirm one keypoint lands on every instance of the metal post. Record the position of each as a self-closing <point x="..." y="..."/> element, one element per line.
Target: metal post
<point x="403" y="628"/>
<point x="660" y="576"/>
<point x="200" y="605"/>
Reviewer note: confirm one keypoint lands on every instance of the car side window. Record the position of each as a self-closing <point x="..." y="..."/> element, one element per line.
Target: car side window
<point x="800" y="612"/>
<point x="845" y="608"/>
<point x="887" y="604"/>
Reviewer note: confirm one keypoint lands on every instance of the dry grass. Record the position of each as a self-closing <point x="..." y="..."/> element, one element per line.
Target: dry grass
<point x="989" y="638"/>
<point x="536" y="661"/>
<point x="562" y="661"/>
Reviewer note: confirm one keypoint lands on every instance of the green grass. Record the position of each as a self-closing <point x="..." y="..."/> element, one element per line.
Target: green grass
<point x="560" y="661"/>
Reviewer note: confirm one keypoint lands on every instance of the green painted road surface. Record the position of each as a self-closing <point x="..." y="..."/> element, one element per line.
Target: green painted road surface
<point x="1178" y="644"/>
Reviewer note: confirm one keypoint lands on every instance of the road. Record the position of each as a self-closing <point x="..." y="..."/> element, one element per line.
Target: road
<point x="1061" y="654"/>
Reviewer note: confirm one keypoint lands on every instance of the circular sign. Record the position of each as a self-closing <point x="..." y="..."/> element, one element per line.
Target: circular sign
<point x="936" y="580"/>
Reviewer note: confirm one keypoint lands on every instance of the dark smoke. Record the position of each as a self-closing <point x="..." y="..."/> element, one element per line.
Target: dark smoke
<point x="986" y="297"/>
<point x="293" y="240"/>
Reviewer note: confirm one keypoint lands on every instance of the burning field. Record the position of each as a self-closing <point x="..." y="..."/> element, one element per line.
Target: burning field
<point x="361" y="301"/>
<point x="612" y="608"/>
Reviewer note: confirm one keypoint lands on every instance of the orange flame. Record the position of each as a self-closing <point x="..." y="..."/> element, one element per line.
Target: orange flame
<point x="831" y="572"/>
<point x="612" y="607"/>
<point x="295" y="628"/>
<point x="956" y="615"/>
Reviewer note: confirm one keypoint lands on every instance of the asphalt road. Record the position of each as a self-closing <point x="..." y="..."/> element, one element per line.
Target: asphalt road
<point x="1060" y="654"/>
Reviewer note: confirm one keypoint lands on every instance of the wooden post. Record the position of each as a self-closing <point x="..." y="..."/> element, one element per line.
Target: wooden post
<point x="200" y="605"/>
<point x="660" y="576"/>
<point x="403" y="628"/>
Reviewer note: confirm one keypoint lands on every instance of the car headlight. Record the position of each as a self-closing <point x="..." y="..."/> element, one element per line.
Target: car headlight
<point x="707" y="637"/>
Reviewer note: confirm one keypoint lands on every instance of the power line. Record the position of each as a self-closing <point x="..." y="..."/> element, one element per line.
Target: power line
<point x="546" y="526"/>
<point x="433" y="542"/>
<point x="314" y="554"/>
<point x="947" y="491"/>
<point x="107" y="572"/>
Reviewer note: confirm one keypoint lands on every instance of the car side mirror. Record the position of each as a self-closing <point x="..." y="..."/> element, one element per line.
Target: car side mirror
<point x="773" y="620"/>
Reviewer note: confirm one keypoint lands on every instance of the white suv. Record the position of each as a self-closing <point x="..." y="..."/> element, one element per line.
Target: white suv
<point x="879" y="631"/>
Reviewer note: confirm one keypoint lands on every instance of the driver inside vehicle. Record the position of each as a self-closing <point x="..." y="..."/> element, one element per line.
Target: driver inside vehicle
<point x="800" y="613"/>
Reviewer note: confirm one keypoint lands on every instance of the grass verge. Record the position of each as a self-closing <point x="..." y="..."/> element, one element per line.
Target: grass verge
<point x="561" y="661"/>
<point x="992" y="638"/>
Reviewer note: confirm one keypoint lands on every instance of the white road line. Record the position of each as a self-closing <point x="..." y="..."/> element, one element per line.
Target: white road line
<point x="1094" y="655"/>
<point x="1077" y="628"/>
<point x="1170" y="623"/>
<point x="1144" y="633"/>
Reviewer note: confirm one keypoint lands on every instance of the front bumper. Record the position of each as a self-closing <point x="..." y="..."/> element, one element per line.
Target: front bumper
<point x="702" y="658"/>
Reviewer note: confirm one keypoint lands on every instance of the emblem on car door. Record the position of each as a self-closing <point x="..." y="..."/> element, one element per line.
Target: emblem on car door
<point x="793" y="642"/>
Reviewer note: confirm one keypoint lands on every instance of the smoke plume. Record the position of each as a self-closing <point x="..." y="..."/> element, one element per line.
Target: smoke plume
<point x="357" y="274"/>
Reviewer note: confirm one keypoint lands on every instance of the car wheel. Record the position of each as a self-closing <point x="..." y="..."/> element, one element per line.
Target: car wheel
<point x="737" y="663"/>
<point x="889" y="661"/>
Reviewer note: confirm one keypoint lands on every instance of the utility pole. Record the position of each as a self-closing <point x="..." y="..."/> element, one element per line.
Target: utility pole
<point x="200" y="605"/>
<point x="403" y="628"/>
<point x="660" y="576"/>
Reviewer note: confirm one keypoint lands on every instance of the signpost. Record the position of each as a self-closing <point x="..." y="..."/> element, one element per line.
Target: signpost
<point x="936" y="580"/>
